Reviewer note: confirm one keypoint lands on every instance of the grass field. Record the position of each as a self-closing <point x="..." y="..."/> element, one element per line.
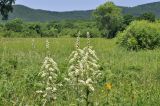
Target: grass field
<point x="135" y="76"/>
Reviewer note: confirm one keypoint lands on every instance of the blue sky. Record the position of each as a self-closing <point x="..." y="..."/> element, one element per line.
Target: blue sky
<point x="69" y="5"/>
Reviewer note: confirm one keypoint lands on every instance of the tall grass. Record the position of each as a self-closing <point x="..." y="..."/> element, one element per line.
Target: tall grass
<point x="134" y="76"/>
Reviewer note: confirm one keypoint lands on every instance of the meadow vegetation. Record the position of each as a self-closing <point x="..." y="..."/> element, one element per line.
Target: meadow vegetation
<point x="140" y="35"/>
<point x="129" y="77"/>
<point x="42" y="64"/>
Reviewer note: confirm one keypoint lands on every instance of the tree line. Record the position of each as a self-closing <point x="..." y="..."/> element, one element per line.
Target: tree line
<point x="107" y="22"/>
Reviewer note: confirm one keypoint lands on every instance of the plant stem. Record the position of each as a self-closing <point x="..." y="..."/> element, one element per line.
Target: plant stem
<point x="87" y="96"/>
<point x="77" y="93"/>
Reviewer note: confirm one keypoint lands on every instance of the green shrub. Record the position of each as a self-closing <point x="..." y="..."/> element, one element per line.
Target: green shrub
<point x="140" y="35"/>
<point x="94" y="32"/>
<point x="69" y="32"/>
<point x="7" y="34"/>
<point x="30" y="33"/>
<point x="12" y="34"/>
<point x="37" y="27"/>
<point x="15" y="25"/>
<point x="50" y="33"/>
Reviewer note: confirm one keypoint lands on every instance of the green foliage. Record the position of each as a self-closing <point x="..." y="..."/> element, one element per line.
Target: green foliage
<point x="140" y="35"/>
<point x="28" y="33"/>
<point x="109" y="19"/>
<point x="71" y="28"/>
<point x="35" y="27"/>
<point x="65" y="28"/>
<point x="15" y="25"/>
<point x="94" y="32"/>
<point x="54" y="25"/>
<point x="7" y="34"/>
<point x="69" y="32"/>
<point x="127" y="19"/>
<point x="147" y="16"/>
<point x="68" y="24"/>
<point x="51" y="33"/>
<point x="134" y="76"/>
<point x="5" y="8"/>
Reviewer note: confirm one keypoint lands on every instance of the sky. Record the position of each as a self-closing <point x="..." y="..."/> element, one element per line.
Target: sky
<point x="70" y="5"/>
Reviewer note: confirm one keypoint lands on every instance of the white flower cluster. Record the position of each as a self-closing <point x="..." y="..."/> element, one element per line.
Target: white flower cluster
<point x="75" y="63"/>
<point x="84" y="66"/>
<point x="91" y="72"/>
<point x="49" y="75"/>
<point x="47" y="44"/>
<point x="47" y="47"/>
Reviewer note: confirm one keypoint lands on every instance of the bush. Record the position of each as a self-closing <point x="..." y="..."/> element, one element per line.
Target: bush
<point x="29" y="33"/>
<point x="35" y="27"/>
<point x="15" y="25"/>
<point x="140" y="35"/>
<point x="69" y="32"/>
<point x="51" y="33"/>
<point x="147" y="16"/>
<point x="94" y="32"/>
<point x="7" y="34"/>
<point x="12" y="34"/>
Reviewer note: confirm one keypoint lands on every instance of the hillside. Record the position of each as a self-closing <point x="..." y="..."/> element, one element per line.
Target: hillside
<point x="137" y="10"/>
<point x="29" y="14"/>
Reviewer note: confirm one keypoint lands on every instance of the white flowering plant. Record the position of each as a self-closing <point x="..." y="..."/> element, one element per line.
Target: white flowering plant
<point x="75" y="68"/>
<point x="84" y="70"/>
<point x="90" y="71"/>
<point x="49" y="79"/>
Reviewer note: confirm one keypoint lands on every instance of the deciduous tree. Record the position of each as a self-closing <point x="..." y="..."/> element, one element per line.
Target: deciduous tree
<point x="6" y="7"/>
<point x="109" y="19"/>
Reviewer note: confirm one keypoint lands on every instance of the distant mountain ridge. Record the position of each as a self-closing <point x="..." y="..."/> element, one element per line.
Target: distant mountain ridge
<point x="29" y="14"/>
<point x="140" y="9"/>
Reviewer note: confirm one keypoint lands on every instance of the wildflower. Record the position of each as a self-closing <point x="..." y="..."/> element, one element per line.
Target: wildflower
<point x="84" y="69"/>
<point x="88" y="83"/>
<point x="90" y="70"/>
<point x="47" y="44"/>
<point x="39" y="91"/>
<point x="108" y="86"/>
<point x="75" y="69"/>
<point x="49" y="75"/>
<point x="33" y="43"/>
<point x="90" y="62"/>
<point x="78" y="41"/>
<point x="88" y="37"/>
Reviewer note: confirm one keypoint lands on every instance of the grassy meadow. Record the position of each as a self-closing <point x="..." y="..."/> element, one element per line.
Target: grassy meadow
<point x="134" y="76"/>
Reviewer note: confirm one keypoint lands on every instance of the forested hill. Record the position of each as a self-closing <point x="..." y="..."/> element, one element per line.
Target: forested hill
<point x="137" y="10"/>
<point x="29" y="14"/>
